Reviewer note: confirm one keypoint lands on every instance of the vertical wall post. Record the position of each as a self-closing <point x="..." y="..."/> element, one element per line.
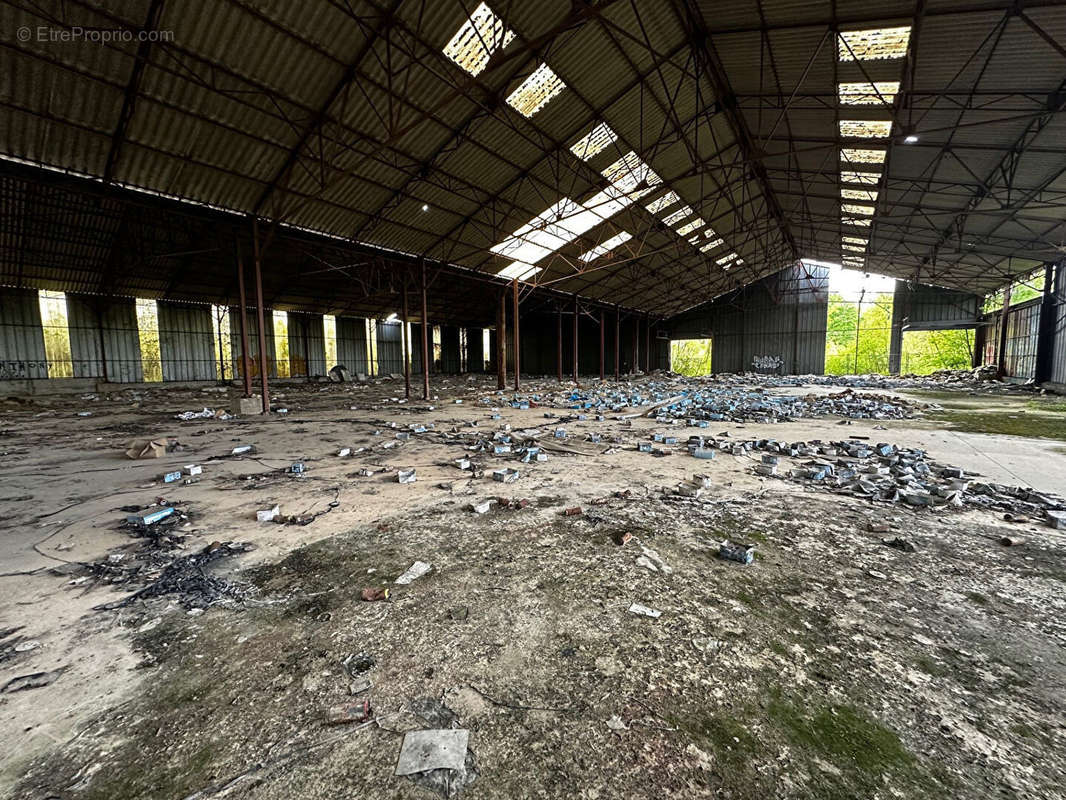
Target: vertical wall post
<point x="221" y="352"/>
<point x="100" y="337"/>
<point x="517" y="350"/>
<point x="1001" y="345"/>
<point x="245" y="366"/>
<point x="559" y="337"/>
<point x="647" y="344"/>
<point x="617" y="341"/>
<point x="577" y="315"/>
<point x="602" y="343"/>
<point x="405" y="338"/>
<point x="501" y="342"/>
<point x="263" y="382"/>
<point x="634" y="362"/>
<point x="425" y="334"/>
<point x="1045" y="337"/>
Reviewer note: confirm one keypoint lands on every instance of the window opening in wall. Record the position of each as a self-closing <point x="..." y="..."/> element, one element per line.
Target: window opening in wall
<point x="436" y="348"/>
<point x="691" y="357"/>
<point x="372" y="347"/>
<point x="485" y="348"/>
<point x="56" y="334"/>
<point x="329" y="333"/>
<point x="281" y="343"/>
<point x="223" y="344"/>
<point x="148" y="337"/>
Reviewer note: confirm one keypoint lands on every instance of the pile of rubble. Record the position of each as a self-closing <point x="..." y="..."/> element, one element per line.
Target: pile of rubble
<point x="158" y="568"/>
<point x="883" y="472"/>
<point x="700" y="400"/>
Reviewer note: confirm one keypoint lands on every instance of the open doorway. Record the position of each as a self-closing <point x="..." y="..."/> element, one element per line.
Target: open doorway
<point x="691" y="357"/>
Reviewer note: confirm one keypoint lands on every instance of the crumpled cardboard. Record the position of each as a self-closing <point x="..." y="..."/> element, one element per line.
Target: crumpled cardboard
<point x="150" y="448"/>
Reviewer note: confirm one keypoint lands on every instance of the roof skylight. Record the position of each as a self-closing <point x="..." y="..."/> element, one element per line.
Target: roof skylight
<point x="518" y="269"/>
<point x="605" y="247"/>
<point x="682" y="213"/>
<point x="536" y="90"/>
<point x="866" y="128"/>
<point x="667" y="200"/>
<point x="869" y="195"/>
<point x="855" y="208"/>
<point x="873" y="44"/>
<point x="865" y="93"/>
<point x="855" y="176"/>
<point x="862" y="156"/>
<point x="594" y="142"/>
<point x="479" y="37"/>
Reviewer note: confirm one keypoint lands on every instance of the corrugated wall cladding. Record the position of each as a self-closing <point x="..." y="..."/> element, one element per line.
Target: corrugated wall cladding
<point x="1023" y="325"/>
<point x="307" y="345"/>
<point x="252" y="325"/>
<point x="930" y="307"/>
<point x="416" y="348"/>
<point x="475" y="350"/>
<point x="783" y="315"/>
<point x="22" y="353"/>
<point x="186" y="342"/>
<point x="390" y="347"/>
<point x="351" y="344"/>
<point x="1058" y="365"/>
<point x="540" y="343"/>
<point x="449" y="350"/>
<point x="122" y="347"/>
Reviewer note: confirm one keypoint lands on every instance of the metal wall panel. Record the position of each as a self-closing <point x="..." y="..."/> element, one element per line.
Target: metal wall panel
<point x="390" y="347"/>
<point x="186" y="342"/>
<point x="1023" y="325"/>
<point x="252" y="324"/>
<point x="475" y="350"/>
<point x="450" y="363"/>
<point x="22" y="353"/>
<point x="933" y="308"/>
<point x="307" y="345"/>
<point x="122" y="344"/>
<point x="1058" y="356"/>
<point x="351" y="344"/>
<point x="783" y="315"/>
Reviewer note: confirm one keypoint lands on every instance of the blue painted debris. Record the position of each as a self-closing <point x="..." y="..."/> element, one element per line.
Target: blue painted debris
<point x="145" y="518"/>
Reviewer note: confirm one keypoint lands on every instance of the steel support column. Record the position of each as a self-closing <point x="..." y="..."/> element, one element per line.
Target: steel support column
<point x="517" y="352"/>
<point x="634" y="361"/>
<point x="1045" y="337"/>
<point x="425" y="334"/>
<point x="602" y="343"/>
<point x="617" y="341"/>
<point x="647" y="344"/>
<point x="245" y="368"/>
<point x="559" y="342"/>
<point x="263" y="381"/>
<point x="501" y="342"/>
<point x="405" y="338"/>
<point x="1001" y="345"/>
<point x="576" y="316"/>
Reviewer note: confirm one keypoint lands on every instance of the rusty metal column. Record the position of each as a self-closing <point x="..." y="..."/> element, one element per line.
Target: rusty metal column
<point x="501" y="342"/>
<point x="576" y="316"/>
<point x="245" y="369"/>
<point x="100" y="338"/>
<point x="647" y="345"/>
<point x="263" y="382"/>
<point x="617" y="340"/>
<point x="406" y="342"/>
<point x="634" y="363"/>
<point x="602" y="344"/>
<point x="425" y="335"/>
<point x="517" y="351"/>
<point x="559" y="342"/>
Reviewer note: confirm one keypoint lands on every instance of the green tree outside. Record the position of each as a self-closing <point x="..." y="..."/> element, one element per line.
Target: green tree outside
<point x="691" y="357"/>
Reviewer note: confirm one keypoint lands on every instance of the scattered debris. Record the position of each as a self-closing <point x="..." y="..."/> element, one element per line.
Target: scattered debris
<point x="35" y="680"/>
<point x="899" y="543"/>
<point x="151" y="448"/>
<point x="741" y="553"/>
<point x="642" y="610"/>
<point x="414" y="572"/>
<point x="347" y="713"/>
<point x="374" y="594"/>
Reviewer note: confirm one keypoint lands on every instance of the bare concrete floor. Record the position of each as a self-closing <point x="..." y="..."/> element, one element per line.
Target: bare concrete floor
<point x="833" y="666"/>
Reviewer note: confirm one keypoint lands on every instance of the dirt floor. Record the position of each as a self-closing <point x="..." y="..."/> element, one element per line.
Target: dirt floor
<point x="833" y="666"/>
